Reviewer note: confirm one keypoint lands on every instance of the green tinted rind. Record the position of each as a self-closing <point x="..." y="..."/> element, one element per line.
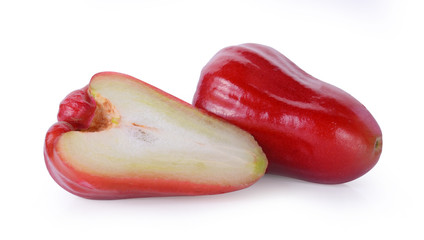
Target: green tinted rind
<point x="261" y="163"/>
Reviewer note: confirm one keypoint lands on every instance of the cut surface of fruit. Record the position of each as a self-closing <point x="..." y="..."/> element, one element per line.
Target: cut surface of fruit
<point x="139" y="132"/>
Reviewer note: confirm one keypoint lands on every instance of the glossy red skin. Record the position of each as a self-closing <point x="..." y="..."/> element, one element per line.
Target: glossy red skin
<point x="307" y="128"/>
<point x="90" y="186"/>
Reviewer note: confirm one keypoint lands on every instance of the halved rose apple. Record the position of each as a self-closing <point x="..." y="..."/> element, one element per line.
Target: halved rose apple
<point x="121" y="138"/>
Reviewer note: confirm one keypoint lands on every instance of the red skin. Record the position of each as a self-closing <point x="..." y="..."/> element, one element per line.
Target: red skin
<point x="75" y="113"/>
<point x="77" y="109"/>
<point x="307" y="128"/>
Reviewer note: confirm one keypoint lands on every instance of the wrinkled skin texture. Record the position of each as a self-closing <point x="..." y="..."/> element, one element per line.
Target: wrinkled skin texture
<point x="308" y="129"/>
<point x="77" y="109"/>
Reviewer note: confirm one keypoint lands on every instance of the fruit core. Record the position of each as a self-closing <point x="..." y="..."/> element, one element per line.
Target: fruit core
<point x="105" y="116"/>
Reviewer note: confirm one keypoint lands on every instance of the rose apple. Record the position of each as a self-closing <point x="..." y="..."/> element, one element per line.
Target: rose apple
<point x="121" y="138"/>
<point x="307" y="128"/>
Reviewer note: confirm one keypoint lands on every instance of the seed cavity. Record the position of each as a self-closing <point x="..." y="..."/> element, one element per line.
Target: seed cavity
<point x="144" y="133"/>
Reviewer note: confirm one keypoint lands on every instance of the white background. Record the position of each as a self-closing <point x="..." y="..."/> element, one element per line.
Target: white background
<point x="372" y="49"/>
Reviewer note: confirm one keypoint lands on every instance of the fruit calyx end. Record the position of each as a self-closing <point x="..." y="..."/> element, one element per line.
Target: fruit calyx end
<point x="378" y="145"/>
